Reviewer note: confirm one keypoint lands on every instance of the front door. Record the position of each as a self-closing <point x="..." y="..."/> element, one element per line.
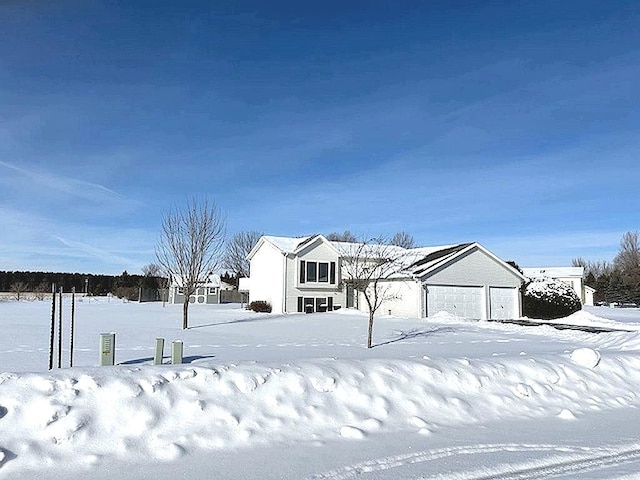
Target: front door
<point x="351" y="296"/>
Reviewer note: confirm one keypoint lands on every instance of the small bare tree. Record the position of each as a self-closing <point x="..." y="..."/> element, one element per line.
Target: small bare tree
<point x="403" y="239"/>
<point x="369" y="266"/>
<point x="41" y="290"/>
<point x="190" y="245"/>
<point x="18" y="288"/>
<point x="235" y="257"/>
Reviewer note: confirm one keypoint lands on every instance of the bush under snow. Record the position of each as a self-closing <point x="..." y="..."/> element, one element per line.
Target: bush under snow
<point x="547" y="299"/>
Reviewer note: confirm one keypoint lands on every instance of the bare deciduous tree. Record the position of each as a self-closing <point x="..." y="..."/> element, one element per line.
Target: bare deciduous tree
<point x="627" y="262"/>
<point x="152" y="270"/>
<point x="41" y="290"/>
<point x="190" y="245"/>
<point x="235" y="257"/>
<point x="403" y="239"/>
<point x="347" y="236"/>
<point x="18" y="288"/>
<point x="596" y="268"/>
<point x="368" y="267"/>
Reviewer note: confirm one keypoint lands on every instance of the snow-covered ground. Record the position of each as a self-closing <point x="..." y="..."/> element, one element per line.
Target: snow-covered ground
<point x="298" y="396"/>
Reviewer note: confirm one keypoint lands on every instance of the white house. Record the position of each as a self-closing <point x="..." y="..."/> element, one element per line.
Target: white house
<point x="208" y="290"/>
<point x="309" y="274"/>
<point x="572" y="276"/>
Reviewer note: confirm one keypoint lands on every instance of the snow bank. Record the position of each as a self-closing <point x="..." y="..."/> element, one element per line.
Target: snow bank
<point x="166" y="412"/>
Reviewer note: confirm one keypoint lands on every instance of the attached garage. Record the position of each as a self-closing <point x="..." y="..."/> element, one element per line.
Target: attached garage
<point x="470" y="282"/>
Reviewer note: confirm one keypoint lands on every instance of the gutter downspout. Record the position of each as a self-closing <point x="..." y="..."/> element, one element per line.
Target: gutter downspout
<point x="284" y="283"/>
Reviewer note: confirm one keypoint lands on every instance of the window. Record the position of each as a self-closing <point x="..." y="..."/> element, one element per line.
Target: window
<point x="315" y="304"/>
<point x="180" y="291"/>
<point x="323" y="272"/>
<point x="212" y="290"/>
<point x="312" y="272"/>
<point x="317" y="272"/>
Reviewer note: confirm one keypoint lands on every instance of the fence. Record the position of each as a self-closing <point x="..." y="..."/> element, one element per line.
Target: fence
<point x="233" y="296"/>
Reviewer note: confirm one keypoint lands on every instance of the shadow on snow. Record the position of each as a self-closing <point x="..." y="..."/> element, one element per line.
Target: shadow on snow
<point x="189" y="359"/>
<point x="414" y="333"/>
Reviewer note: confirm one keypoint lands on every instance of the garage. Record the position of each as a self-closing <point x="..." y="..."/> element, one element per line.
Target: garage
<point x="461" y="301"/>
<point x="502" y="303"/>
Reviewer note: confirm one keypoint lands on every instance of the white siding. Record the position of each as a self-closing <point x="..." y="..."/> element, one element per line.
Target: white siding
<point x="267" y="277"/>
<point x="474" y="269"/>
<point x="403" y="299"/>
<point x="316" y="252"/>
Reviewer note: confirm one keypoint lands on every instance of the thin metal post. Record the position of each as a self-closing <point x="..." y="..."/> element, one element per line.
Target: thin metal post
<point x="53" y="324"/>
<point x="60" y="328"/>
<point x="73" y="323"/>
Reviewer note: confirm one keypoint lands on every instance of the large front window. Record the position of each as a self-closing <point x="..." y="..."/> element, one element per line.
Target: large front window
<point x="317" y="272"/>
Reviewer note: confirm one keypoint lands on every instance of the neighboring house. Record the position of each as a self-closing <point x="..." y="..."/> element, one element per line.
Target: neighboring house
<point x="588" y="295"/>
<point x="208" y="291"/>
<point x="307" y="275"/>
<point x="227" y="287"/>
<point x="572" y="276"/>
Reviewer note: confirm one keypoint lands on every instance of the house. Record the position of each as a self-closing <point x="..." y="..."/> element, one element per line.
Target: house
<point x="208" y="290"/>
<point x="310" y="274"/>
<point x="572" y="276"/>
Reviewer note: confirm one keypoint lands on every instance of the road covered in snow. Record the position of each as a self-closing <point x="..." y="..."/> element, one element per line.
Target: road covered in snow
<point x="298" y="396"/>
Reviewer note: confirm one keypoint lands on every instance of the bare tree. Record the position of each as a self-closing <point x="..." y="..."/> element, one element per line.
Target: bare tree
<point x="579" y="262"/>
<point x="627" y="263"/>
<point x="368" y="267"/>
<point x="235" y="257"/>
<point x="41" y="290"/>
<point x="190" y="245"/>
<point x="152" y="270"/>
<point x="403" y="239"/>
<point x="18" y="288"/>
<point x="597" y="268"/>
<point x="347" y="236"/>
<point x="628" y="258"/>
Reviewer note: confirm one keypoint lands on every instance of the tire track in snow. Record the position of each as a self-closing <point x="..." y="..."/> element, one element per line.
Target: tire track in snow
<point x="569" y="460"/>
<point x="561" y="467"/>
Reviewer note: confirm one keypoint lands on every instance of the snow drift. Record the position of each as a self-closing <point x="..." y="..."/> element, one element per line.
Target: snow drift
<point x="165" y="412"/>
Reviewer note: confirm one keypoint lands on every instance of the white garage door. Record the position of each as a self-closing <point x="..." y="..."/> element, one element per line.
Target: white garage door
<point x="502" y="303"/>
<point x="466" y="302"/>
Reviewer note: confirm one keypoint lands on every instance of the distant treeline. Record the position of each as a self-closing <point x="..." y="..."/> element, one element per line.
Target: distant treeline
<point x="83" y="282"/>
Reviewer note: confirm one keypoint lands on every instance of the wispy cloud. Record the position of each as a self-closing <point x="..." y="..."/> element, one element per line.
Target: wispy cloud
<point x="67" y="185"/>
<point x="40" y="242"/>
<point x="92" y="252"/>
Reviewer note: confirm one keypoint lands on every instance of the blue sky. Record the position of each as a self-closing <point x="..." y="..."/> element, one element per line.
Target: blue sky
<point x="514" y="124"/>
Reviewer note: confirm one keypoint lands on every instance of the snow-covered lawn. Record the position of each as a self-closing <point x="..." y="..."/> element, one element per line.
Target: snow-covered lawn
<point x="298" y="396"/>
